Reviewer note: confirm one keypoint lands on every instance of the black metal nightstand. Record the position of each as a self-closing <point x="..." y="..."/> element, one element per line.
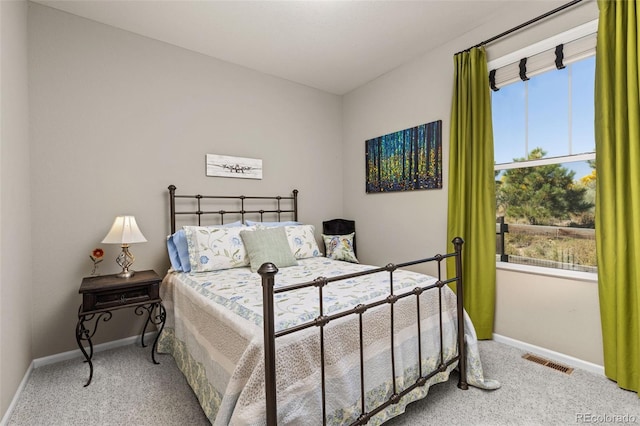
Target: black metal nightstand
<point x="106" y="293"/>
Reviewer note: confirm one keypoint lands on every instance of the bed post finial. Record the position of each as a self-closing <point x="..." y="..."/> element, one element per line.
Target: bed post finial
<point x="295" y="205"/>
<point x="462" y="348"/>
<point x="457" y="244"/>
<point x="268" y="271"/>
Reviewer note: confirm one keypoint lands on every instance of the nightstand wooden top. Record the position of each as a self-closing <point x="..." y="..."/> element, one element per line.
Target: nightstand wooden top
<point x="103" y="282"/>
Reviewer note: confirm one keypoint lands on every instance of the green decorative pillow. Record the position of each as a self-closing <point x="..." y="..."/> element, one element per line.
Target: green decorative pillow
<point x="340" y="247"/>
<point x="268" y="245"/>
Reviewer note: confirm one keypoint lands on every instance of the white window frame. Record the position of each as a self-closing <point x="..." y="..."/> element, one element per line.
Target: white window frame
<point x="542" y="46"/>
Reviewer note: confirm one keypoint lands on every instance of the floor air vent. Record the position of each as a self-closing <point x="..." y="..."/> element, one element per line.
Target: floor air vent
<point x="548" y="363"/>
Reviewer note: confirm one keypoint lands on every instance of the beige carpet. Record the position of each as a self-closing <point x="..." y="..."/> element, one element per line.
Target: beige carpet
<point x="127" y="389"/>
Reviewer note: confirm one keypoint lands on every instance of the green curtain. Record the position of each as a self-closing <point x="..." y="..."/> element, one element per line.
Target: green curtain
<point x="617" y="132"/>
<point x="472" y="206"/>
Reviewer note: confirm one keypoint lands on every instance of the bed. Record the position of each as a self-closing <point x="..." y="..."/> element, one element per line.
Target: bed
<point x="306" y="341"/>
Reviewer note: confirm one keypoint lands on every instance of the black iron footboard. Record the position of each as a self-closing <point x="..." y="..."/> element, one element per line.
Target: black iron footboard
<point x="268" y="272"/>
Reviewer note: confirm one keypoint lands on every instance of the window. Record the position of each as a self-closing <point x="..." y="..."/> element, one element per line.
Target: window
<point x="545" y="167"/>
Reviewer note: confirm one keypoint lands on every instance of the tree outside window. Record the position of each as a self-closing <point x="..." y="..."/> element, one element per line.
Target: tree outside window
<point x="547" y="200"/>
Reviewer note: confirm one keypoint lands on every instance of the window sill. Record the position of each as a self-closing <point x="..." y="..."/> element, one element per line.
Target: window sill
<point x="549" y="272"/>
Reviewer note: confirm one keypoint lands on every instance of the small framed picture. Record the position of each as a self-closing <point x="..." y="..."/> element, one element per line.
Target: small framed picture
<point x="233" y="167"/>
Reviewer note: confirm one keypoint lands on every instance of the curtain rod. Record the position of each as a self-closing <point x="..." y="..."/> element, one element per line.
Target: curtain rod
<point x="519" y="27"/>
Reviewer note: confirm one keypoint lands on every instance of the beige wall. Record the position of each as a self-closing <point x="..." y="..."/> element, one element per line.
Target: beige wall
<point x="550" y="312"/>
<point x="400" y="226"/>
<point x="116" y="118"/>
<point x="16" y="255"/>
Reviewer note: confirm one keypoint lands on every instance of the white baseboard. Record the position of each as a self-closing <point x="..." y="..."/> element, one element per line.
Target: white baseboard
<point x="14" y="401"/>
<point x="547" y="353"/>
<point x="52" y="359"/>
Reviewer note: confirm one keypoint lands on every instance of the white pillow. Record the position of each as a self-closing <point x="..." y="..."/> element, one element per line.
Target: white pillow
<point x="213" y="247"/>
<point x="302" y="241"/>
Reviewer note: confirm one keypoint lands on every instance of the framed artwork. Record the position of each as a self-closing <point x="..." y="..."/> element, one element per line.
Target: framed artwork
<point x="235" y="167"/>
<point x="407" y="160"/>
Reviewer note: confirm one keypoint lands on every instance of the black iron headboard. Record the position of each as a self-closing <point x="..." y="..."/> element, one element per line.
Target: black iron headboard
<point x="238" y="209"/>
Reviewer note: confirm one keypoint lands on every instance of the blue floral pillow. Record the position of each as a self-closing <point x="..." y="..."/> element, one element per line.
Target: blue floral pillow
<point x="340" y="247"/>
<point x="302" y="241"/>
<point x="212" y="248"/>
<point x="178" y="248"/>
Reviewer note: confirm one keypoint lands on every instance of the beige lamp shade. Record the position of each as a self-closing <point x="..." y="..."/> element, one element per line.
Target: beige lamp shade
<point x="124" y="231"/>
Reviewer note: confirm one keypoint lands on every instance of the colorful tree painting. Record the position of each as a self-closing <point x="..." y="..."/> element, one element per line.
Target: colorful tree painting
<point x="406" y="160"/>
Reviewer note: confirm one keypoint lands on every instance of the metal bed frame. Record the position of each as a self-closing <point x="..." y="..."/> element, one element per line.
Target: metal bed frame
<point x="268" y="272"/>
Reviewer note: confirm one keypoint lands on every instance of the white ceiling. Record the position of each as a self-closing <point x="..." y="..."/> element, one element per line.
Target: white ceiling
<point x="335" y="46"/>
